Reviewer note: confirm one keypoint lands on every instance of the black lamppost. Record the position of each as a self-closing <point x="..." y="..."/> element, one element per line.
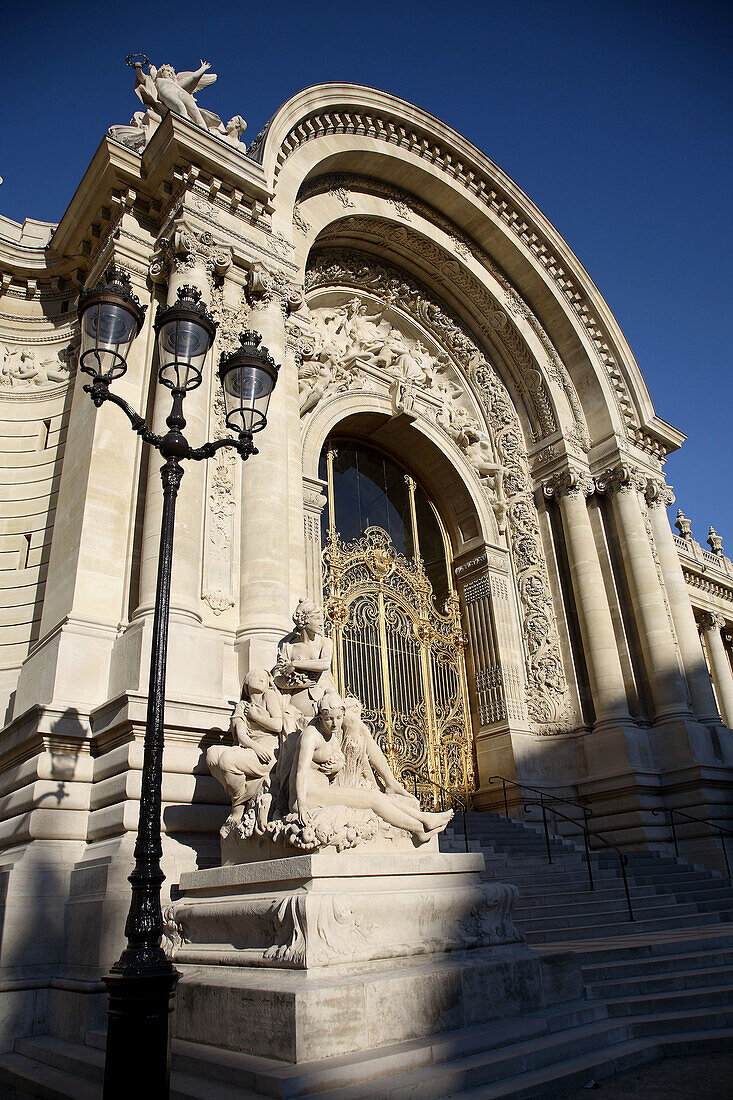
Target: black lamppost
<point x="142" y="981"/>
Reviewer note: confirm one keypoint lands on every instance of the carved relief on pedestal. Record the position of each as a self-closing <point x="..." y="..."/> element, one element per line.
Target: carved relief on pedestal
<point x="360" y="345"/>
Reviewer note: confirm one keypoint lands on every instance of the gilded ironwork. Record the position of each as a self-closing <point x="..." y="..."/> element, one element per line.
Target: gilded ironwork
<point x="404" y="659"/>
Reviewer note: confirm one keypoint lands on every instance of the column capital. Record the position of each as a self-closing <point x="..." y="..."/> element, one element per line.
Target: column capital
<point x="569" y="482"/>
<point x="658" y="494"/>
<point x="266" y="287"/>
<point x="711" y="620"/>
<point x="622" y="478"/>
<point x="186" y="248"/>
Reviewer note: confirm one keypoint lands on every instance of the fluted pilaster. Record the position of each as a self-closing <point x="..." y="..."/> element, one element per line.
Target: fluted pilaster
<point x="571" y="488"/>
<point x="711" y="626"/>
<point x="623" y="485"/>
<point x="659" y="496"/>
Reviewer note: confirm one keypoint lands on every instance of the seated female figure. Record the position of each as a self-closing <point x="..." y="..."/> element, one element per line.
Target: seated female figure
<point x="320" y="760"/>
<point x="258" y="725"/>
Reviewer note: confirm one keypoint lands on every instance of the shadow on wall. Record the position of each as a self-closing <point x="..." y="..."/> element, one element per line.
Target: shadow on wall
<point x="195" y="824"/>
<point x="34" y="880"/>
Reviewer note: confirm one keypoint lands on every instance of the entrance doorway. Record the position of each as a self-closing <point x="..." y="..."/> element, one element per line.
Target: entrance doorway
<point x="394" y="616"/>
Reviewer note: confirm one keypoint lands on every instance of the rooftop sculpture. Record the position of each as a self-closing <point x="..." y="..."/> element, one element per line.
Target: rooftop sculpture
<point x="162" y="89"/>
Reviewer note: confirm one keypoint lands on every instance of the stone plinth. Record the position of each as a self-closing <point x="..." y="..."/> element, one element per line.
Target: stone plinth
<point x="301" y="1016"/>
<point x="327" y="908"/>
<point x="327" y="954"/>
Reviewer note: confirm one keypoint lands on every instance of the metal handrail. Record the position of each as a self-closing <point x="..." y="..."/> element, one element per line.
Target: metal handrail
<point x="587" y="812"/>
<point x="720" y="829"/>
<point x="587" y="833"/>
<point x="443" y="791"/>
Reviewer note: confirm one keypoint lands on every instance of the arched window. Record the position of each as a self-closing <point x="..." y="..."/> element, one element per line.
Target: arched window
<point x="368" y="489"/>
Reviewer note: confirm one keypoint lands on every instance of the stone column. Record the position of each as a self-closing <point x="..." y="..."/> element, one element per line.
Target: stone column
<point x="669" y="696"/>
<point x="658" y="497"/>
<point x="182" y="259"/>
<point x="712" y="625"/>
<point x="268" y="484"/>
<point x="594" y="616"/>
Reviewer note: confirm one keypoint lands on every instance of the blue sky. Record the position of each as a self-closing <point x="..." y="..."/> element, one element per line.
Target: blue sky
<point x="614" y="117"/>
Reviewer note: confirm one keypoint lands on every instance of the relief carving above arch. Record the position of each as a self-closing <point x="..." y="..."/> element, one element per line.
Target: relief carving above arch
<point x="358" y="344"/>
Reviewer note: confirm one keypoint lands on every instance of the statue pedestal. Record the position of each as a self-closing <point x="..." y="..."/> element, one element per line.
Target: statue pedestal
<point x="332" y="953"/>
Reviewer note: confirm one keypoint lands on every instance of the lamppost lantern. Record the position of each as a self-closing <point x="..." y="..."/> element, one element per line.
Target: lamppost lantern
<point x="142" y="981"/>
<point x="110" y="317"/>
<point x="248" y="376"/>
<point x="185" y="332"/>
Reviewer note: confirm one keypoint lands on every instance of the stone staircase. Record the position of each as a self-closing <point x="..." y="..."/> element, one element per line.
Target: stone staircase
<point x="661" y="985"/>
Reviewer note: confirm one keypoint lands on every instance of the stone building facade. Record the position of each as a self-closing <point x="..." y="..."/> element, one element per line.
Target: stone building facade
<point x="430" y="323"/>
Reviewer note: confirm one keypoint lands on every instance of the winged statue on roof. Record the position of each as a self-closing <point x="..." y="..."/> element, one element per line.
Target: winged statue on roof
<point x="162" y="89"/>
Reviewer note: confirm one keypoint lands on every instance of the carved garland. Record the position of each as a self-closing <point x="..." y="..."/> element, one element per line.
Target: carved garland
<point x="547" y="691"/>
<point x="423" y="144"/>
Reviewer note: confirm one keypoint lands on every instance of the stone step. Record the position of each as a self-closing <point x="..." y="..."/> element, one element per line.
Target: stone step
<point x="717" y="996"/>
<point x="560" y="1079"/>
<point x="664" y="964"/>
<point x="601" y="915"/>
<point x="676" y="981"/>
<point x="369" y="1068"/>
<point x="650" y="945"/>
<point x="703" y="892"/>
<point x="435" y="1082"/>
<point x="598" y="931"/>
<point x="683" y="1020"/>
<point x="76" y="1070"/>
<point x="525" y="909"/>
<point x="44" y="1081"/>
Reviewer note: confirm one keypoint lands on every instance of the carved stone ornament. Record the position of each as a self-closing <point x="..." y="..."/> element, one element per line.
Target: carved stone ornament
<point x="683" y="525"/>
<point x="715" y="542"/>
<point x="569" y="483"/>
<point x="620" y="479"/>
<point x="161" y="90"/>
<point x="266" y="286"/>
<point x="28" y="369"/>
<point x="187" y="247"/>
<point x="658" y="494"/>
<point x="353" y="343"/>
<point x="711" y="621"/>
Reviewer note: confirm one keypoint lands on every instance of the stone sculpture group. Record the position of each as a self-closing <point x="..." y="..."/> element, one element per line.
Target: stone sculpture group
<point x="304" y="770"/>
<point x="162" y="89"/>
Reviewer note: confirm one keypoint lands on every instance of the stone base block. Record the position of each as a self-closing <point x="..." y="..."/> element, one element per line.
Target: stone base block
<point x="324" y="909"/>
<point x="300" y="1017"/>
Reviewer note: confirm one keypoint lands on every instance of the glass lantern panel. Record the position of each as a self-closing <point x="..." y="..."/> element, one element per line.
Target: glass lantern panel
<point x="247" y="392"/>
<point x="108" y="330"/>
<point x="182" y="348"/>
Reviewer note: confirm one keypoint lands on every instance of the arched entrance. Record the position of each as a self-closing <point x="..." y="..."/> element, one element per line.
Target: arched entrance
<point x="395" y="618"/>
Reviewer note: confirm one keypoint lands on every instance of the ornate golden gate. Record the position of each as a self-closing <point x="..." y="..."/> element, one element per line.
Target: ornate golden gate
<point x="404" y="660"/>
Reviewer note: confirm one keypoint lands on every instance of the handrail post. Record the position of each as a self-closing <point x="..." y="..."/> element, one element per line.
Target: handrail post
<point x="622" y="861"/>
<point x="674" y="832"/>
<point x="506" y="801"/>
<point x="725" y="850"/>
<point x="586" y="838"/>
<point x="547" y="834"/>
